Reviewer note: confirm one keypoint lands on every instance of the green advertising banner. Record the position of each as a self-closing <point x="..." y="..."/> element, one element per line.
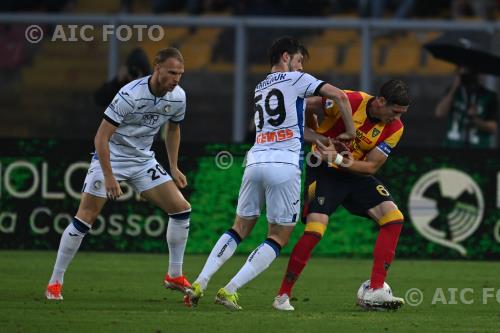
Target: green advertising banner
<point x="450" y="199"/>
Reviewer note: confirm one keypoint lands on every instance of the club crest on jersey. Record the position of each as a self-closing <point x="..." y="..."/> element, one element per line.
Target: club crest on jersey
<point x="321" y="201"/>
<point x="329" y="103"/>
<point x="150" y="119"/>
<point x="97" y="184"/>
<point x="167" y="108"/>
<point x="375" y="132"/>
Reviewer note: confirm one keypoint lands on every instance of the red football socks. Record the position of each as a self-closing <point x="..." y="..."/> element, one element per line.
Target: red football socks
<point x="383" y="253"/>
<point x="298" y="260"/>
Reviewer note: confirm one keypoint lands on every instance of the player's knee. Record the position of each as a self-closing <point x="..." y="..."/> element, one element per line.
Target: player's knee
<point x="316" y="228"/>
<point x="393" y="216"/>
<point x="87" y="215"/>
<point x="317" y="217"/>
<point x="244" y="225"/>
<point x="183" y="206"/>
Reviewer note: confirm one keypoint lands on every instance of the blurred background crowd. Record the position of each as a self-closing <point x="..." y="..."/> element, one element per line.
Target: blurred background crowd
<point x="58" y="89"/>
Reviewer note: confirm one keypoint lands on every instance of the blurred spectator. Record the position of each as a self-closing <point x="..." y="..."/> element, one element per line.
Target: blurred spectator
<point x="466" y="8"/>
<point x="136" y="66"/>
<point x="471" y="110"/>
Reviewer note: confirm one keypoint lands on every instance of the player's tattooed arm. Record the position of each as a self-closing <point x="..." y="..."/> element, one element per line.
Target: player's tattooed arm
<point x="340" y="97"/>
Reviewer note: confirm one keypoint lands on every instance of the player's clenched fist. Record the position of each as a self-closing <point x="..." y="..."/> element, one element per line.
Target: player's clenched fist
<point x="179" y="178"/>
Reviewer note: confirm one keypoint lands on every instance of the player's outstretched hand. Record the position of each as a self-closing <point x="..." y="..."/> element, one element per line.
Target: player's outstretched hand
<point x="113" y="189"/>
<point x="179" y="178"/>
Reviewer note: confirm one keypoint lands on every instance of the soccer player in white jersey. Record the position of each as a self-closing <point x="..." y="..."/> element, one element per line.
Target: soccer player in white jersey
<point x="272" y="173"/>
<point x="123" y="153"/>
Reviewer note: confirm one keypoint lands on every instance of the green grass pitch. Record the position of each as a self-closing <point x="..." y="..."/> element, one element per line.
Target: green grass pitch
<point x="107" y="292"/>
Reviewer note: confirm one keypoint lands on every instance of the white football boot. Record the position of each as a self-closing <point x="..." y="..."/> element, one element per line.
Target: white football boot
<point x="380" y="299"/>
<point x="282" y="303"/>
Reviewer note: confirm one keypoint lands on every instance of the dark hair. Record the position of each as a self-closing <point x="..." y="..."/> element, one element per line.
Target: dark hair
<point x="286" y="44"/>
<point x="169" y="52"/>
<point x="396" y="92"/>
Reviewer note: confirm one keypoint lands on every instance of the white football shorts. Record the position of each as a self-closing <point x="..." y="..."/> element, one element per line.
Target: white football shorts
<point x="140" y="176"/>
<point x="276" y="183"/>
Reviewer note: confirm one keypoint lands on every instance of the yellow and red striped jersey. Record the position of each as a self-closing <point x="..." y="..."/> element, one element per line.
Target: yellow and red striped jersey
<point x="369" y="135"/>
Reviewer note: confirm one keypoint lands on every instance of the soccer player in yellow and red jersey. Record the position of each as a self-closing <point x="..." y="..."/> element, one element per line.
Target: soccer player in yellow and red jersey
<point x="348" y="181"/>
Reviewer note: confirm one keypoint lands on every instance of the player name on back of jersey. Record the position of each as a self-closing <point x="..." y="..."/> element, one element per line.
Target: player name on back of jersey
<point x="277" y="77"/>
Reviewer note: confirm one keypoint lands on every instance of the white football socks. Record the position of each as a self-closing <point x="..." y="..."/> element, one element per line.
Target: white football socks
<point x="258" y="261"/>
<point x="177" y="235"/>
<point x="70" y="242"/>
<point x="221" y="252"/>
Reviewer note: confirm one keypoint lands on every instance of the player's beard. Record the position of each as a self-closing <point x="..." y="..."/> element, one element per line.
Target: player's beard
<point x="165" y="86"/>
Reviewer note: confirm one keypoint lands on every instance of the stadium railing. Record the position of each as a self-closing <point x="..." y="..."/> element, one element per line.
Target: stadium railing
<point x="366" y="27"/>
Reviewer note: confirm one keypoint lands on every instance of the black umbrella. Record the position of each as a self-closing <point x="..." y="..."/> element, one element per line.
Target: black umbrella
<point x="470" y="49"/>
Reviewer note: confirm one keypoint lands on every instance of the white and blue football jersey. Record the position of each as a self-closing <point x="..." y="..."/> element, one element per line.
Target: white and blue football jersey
<point x="279" y="117"/>
<point x="139" y="115"/>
